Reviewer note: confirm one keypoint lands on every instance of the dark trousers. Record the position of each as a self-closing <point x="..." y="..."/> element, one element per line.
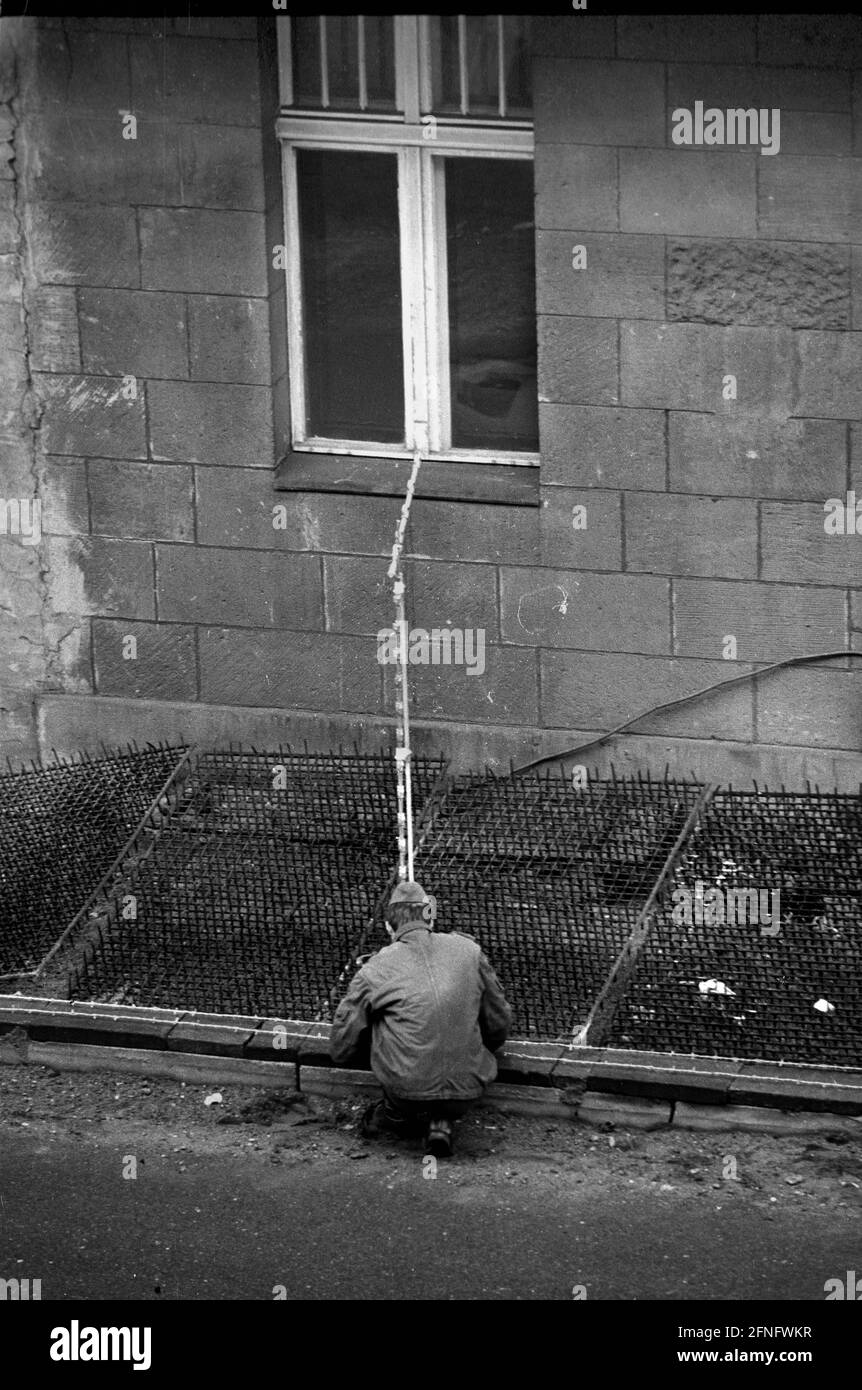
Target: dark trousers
<point x="419" y="1113"/>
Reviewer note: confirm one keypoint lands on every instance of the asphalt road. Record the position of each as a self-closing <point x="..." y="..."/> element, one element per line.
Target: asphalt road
<point x="524" y="1212"/>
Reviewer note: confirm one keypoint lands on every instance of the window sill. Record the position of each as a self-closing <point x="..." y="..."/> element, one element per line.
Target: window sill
<point x="504" y="485"/>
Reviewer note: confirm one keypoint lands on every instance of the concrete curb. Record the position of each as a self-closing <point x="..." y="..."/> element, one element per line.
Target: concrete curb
<point x="596" y="1085"/>
<point x="632" y="1112"/>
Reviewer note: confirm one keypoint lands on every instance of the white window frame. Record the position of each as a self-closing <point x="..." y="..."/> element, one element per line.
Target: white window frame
<point x="425" y="327"/>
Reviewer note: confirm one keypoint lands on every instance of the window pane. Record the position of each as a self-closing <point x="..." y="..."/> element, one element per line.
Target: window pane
<point x="483" y="85"/>
<point x="380" y="62"/>
<point x="343" y="86"/>
<point x="516" y="48"/>
<point x="351" y="295"/>
<point x="492" y="303"/>
<point x="305" y="40"/>
<point x="445" y="71"/>
<point x="481" y="62"/>
<point x="342" y="47"/>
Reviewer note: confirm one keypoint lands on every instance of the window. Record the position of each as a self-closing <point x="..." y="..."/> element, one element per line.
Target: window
<point x="407" y="145"/>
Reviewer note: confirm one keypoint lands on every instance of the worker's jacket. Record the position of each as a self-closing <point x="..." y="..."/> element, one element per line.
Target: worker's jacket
<point x="434" y="1010"/>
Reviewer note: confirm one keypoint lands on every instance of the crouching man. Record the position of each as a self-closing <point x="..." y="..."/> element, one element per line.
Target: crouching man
<point x="432" y="1011"/>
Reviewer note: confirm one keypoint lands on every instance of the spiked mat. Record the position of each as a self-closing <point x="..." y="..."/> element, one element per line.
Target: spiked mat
<point x="248" y="882"/>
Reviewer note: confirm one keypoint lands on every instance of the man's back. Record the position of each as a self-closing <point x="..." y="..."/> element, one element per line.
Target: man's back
<point x="434" y="1007"/>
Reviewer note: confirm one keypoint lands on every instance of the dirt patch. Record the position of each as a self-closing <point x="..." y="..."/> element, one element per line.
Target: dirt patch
<point x="493" y="1149"/>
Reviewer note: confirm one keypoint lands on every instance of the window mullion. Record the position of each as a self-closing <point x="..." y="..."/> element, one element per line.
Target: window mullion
<point x="407" y="66"/>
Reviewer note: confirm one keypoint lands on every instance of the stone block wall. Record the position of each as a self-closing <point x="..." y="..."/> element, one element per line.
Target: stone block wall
<point x="142" y="331"/>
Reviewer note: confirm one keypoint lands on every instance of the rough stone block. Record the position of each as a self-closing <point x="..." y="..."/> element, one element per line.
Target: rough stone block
<point x="278" y="365"/>
<point x="607" y="612"/>
<point x="193" y="422"/>
<point x="856" y="279"/>
<point x="789" y="88"/>
<point x="751" y="457"/>
<point x="80" y="69"/>
<point x="750" y="282"/>
<point x="165" y="663"/>
<point x="469" y="532"/>
<point x="202" y="251"/>
<point x="810" y="198"/>
<point x="816" y="132"/>
<point x="239" y="587"/>
<point x="196" y="79"/>
<point x="589" y="690"/>
<point x="686" y="38"/>
<point x="229" y="339"/>
<point x="135" y="332"/>
<point x="688" y="192"/>
<point x="63" y="489"/>
<point x="235" y="507"/>
<point x="141" y="500"/>
<point x="769" y="621"/>
<point x="8" y="220"/>
<point x="506" y="692"/>
<point x="683" y="367"/>
<point x="461" y="596"/>
<point x="593" y="446"/>
<point x="358" y="595"/>
<point x="87" y="159"/>
<point x="576" y="185"/>
<point x="221" y="166"/>
<point x="561" y="36"/>
<point x="597" y="545"/>
<point x="591" y="102"/>
<point x="89" y="415"/>
<point x="53" y="329"/>
<point x="795" y="546"/>
<point x="623" y="277"/>
<point x="213" y="27"/>
<point x="856" y="620"/>
<point x="90" y="575"/>
<point x="578" y="361"/>
<point x="857" y="112"/>
<point x="830" y="375"/>
<point x="290" y="670"/>
<point x="810" y="706"/>
<point x="80" y="244"/>
<point x="681" y="535"/>
<point x="810" y="39"/>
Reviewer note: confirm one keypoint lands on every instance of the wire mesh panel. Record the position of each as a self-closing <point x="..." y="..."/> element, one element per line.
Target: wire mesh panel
<point x="757" y="948"/>
<point x="258" y="889"/>
<point x="550" y="880"/>
<point x="61" y="827"/>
